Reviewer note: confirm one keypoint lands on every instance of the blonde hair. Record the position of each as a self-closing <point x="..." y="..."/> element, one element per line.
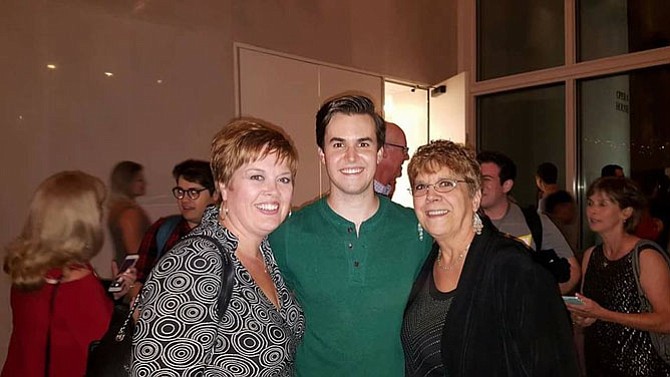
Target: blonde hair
<point x="247" y="140"/>
<point x="122" y="177"/>
<point x="457" y="157"/>
<point x="64" y="226"/>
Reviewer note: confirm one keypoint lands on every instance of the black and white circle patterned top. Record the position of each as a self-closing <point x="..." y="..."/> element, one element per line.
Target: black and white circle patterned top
<point x="179" y="332"/>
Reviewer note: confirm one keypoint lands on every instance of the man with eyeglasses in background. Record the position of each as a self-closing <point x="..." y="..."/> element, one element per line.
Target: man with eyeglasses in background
<point x="390" y="167"/>
<point x="194" y="192"/>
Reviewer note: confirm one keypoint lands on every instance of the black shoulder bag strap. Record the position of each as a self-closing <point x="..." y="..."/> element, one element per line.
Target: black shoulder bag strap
<point x="227" y="273"/>
<point x="534" y="224"/>
<point x="224" y="296"/>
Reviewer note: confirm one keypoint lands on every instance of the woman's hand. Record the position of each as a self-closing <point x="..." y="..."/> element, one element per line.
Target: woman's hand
<point x="586" y="313"/>
<point x="127" y="278"/>
<point x="581" y="321"/>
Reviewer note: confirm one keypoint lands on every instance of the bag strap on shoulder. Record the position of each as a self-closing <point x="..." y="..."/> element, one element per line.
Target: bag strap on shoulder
<point x="635" y="260"/>
<point x="534" y="224"/>
<point x="227" y="274"/>
<point x="227" y="282"/>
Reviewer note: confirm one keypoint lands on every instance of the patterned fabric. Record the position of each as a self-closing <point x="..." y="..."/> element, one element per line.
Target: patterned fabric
<point x="381" y="188"/>
<point x="612" y="349"/>
<point x="149" y="249"/>
<point x="179" y="332"/>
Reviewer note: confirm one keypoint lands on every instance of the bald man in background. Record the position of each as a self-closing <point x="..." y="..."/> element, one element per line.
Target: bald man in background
<point x="390" y="167"/>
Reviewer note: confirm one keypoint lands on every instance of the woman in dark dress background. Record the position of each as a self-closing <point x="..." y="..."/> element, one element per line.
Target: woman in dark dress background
<point x="616" y="330"/>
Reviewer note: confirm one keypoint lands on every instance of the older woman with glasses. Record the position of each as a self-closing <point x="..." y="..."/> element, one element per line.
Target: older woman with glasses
<point x="183" y="330"/>
<point x="480" y="306"/>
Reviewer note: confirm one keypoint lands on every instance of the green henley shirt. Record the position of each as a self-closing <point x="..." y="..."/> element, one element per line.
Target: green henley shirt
<point x="353" y="288"/>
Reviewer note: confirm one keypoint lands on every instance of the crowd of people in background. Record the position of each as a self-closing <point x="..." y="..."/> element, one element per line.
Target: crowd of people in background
<point x="468" y="283"/>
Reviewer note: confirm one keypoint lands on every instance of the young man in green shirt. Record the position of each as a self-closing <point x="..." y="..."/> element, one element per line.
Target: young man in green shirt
<point x="352" y="256"/>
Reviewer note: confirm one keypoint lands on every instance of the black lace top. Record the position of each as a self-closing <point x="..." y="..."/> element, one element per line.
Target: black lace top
<point x="612" y="349"/>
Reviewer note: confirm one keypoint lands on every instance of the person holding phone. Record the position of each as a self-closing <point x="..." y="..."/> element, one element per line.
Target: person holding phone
<point x="480" y="306"/>
<point x="118" y="284"/>
<point x="616" y="328"/>
<point x="58" y="304"/>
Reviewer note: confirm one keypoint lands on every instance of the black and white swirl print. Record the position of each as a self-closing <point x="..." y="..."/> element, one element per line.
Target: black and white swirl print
<point x="179" y="332"/>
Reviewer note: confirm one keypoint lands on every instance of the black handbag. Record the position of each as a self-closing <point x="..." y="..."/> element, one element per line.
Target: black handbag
<point x="110" y="356"/>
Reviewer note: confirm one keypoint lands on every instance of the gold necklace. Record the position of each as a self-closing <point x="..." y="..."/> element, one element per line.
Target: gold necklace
<point x="448" y="267"/>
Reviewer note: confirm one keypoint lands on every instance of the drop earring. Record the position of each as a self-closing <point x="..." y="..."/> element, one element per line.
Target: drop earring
<point x="223" y="210"/>
<point x="419" y="230"/>
<point x="477" y="224"/>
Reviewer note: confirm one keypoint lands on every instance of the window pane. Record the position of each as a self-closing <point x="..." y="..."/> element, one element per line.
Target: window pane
<point x="615" y="27"/>
<point x="623" y="120"/>
<point x="517" y="36"/>
<point x="528" y="126"/>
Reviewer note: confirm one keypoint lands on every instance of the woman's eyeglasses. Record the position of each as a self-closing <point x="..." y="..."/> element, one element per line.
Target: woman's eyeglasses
<point x="192" y="193"/>
<point x="442" y="186"/>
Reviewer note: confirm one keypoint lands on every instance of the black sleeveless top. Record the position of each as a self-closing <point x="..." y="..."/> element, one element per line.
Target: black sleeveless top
<point x="612" y="349"/>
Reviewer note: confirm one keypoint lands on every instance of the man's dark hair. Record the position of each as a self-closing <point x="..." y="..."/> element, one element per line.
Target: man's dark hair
<point x="348" y="105"/>
<point x="556" y="198"/>
<point x="548" y="173"/>
<point x="506" y="165"/>
<point x="196" y="171"/>
<point x="610" y="170"/>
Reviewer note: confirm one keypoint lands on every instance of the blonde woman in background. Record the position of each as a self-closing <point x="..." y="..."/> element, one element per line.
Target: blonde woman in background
<point x="127" y="221"/>
<point x="58" y="304"/>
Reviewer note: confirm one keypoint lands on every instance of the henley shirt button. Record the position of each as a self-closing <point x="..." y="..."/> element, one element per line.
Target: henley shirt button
<point x="356" y="264"/>
<point x="350" y="246"/>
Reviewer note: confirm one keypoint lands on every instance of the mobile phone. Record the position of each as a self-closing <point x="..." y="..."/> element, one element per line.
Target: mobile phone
<point x="572" y="300"/>
<point x="128" y="262"/>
